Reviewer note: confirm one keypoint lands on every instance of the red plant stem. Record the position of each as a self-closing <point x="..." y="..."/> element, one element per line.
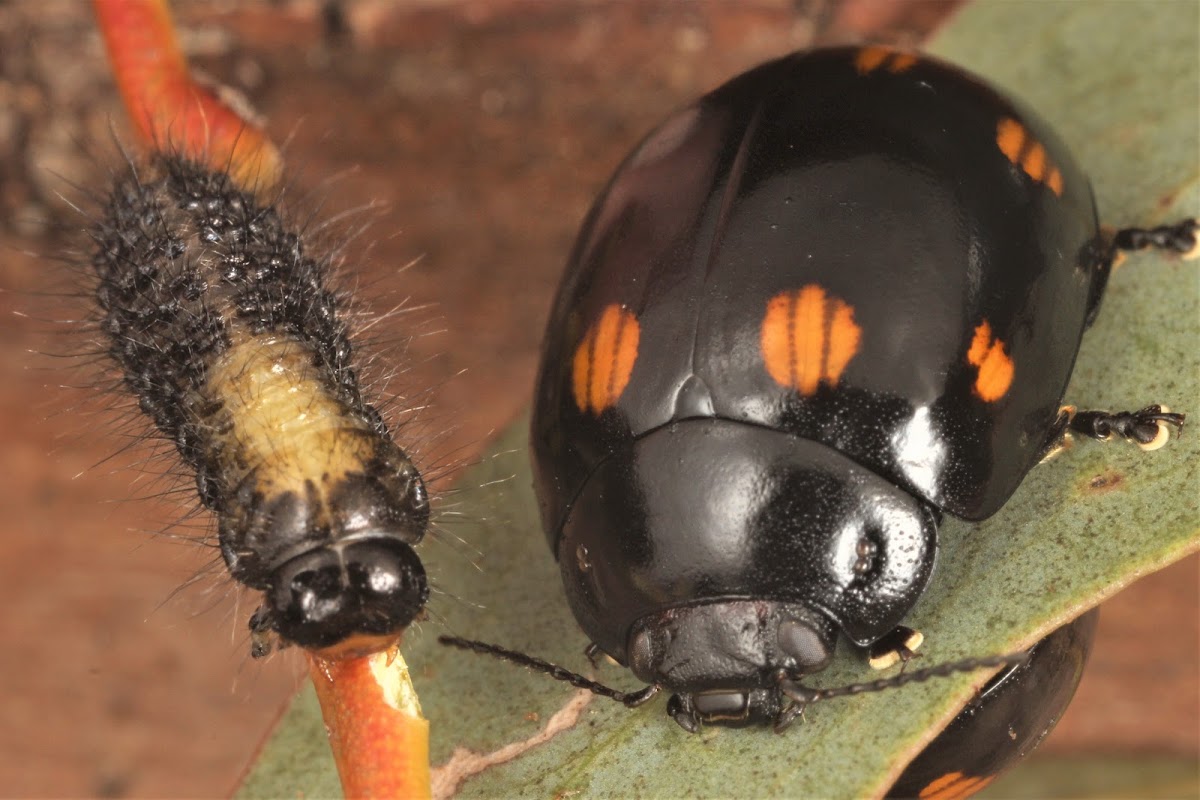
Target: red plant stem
<point x="380" y="740"/>
<point x="169" y="109"/>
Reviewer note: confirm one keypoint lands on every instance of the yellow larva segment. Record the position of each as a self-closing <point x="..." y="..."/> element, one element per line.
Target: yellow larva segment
<point x="283" y="422"/>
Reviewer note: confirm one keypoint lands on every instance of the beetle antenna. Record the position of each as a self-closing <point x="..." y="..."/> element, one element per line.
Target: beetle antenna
<point x="629" y="699"/>
<point x="803" y="695"/>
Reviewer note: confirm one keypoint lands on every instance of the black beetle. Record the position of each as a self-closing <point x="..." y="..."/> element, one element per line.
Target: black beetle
<point x="833" y="300"/>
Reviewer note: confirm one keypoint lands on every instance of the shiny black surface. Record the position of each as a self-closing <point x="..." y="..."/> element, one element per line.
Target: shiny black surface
<point x="703" y="510"/>
<point x="890" y="192"/>
<point x="365" y="587"/>
<point x="702" y="484"/>
<point x="1013" y="713"/>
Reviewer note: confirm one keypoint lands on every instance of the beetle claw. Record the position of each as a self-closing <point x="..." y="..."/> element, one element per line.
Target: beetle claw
<point x="1149" y="428"/>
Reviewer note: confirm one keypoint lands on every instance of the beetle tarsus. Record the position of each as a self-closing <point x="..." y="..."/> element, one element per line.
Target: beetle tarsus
<point x="1149" y="428"/>
<point x="1180" y="237"/>
<point x="788" y="716"/>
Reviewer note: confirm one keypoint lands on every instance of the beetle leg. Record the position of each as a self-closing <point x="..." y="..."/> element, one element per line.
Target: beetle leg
<point x="595" y="654"/>
<point x="788" y="715"/>
<point x="1059" y="438"/>
<point x="1108" y="252"/>
<point x="683" y="711"/>
<point x="1148" y="428"/>
<point x="899" y="645"/>
<point x="1181" y="238"/>
<point x="263" y="639"/>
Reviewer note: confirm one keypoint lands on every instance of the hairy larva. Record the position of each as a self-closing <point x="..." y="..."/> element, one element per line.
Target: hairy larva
<point x="229" y="337"/>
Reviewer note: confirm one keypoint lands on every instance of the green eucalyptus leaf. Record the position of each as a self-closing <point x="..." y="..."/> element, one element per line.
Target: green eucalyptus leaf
<point x="1120" y="81"/>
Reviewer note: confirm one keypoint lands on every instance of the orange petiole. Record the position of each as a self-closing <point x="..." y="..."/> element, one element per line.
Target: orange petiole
<point x="379" y="738"/>
<point x="169" y="108"/>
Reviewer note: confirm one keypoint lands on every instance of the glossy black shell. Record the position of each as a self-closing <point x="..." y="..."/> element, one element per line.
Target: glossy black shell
<point x="886" y="188"/>
<point x="1012" y="714"/>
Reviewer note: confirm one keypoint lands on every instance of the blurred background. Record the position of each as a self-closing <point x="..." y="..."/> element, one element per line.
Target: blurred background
<point x="478" y="132"/>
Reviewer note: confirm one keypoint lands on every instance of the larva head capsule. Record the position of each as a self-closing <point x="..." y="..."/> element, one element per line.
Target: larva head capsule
<point x="351" y="582"/>
<point x="348" y="598"/>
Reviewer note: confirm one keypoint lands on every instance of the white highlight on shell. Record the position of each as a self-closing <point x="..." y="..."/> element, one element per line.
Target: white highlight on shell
<point x="920" y="451"/>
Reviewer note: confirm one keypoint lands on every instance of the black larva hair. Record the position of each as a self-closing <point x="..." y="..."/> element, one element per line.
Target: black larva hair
<point x="227" y="333"/>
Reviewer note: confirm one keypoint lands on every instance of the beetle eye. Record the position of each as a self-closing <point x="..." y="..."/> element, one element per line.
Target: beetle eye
<point x="800" y="641"/>
<point x="641" y="654"/>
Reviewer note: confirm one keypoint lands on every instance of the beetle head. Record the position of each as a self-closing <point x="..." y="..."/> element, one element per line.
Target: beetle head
<point x="723" y="660"/>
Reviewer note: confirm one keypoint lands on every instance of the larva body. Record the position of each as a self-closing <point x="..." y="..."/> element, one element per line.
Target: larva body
<point x="227" y="333"/>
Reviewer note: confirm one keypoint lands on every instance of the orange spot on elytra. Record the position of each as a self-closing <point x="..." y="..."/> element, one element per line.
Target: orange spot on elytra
<point x="1034" y="161"/>
<point x="808" y="337"/>
<point x="808" y="320"/>
<point x="995" y="374"/>
<point x="995" y="367"/>
<point x="901" y="62"/>
<point x="940" y="783"/>
<point x="979" y="344"/>
<point x="604" y="360"/>
<point x="603" y="347"/>
<point x="844" y="337"/>
<point x="872" y="58"/>
<point x="1010" y="137"/>
<point x="869" y="59"/>
<point x="955" y="786"/>
<point x="581" y="372"/>
<point x="776" y="340"/>
<point x="1055" y="181"/>
<point x="1027" y="153"/>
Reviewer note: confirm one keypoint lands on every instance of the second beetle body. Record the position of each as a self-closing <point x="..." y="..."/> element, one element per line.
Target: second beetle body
<point x="833" y="300"/>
